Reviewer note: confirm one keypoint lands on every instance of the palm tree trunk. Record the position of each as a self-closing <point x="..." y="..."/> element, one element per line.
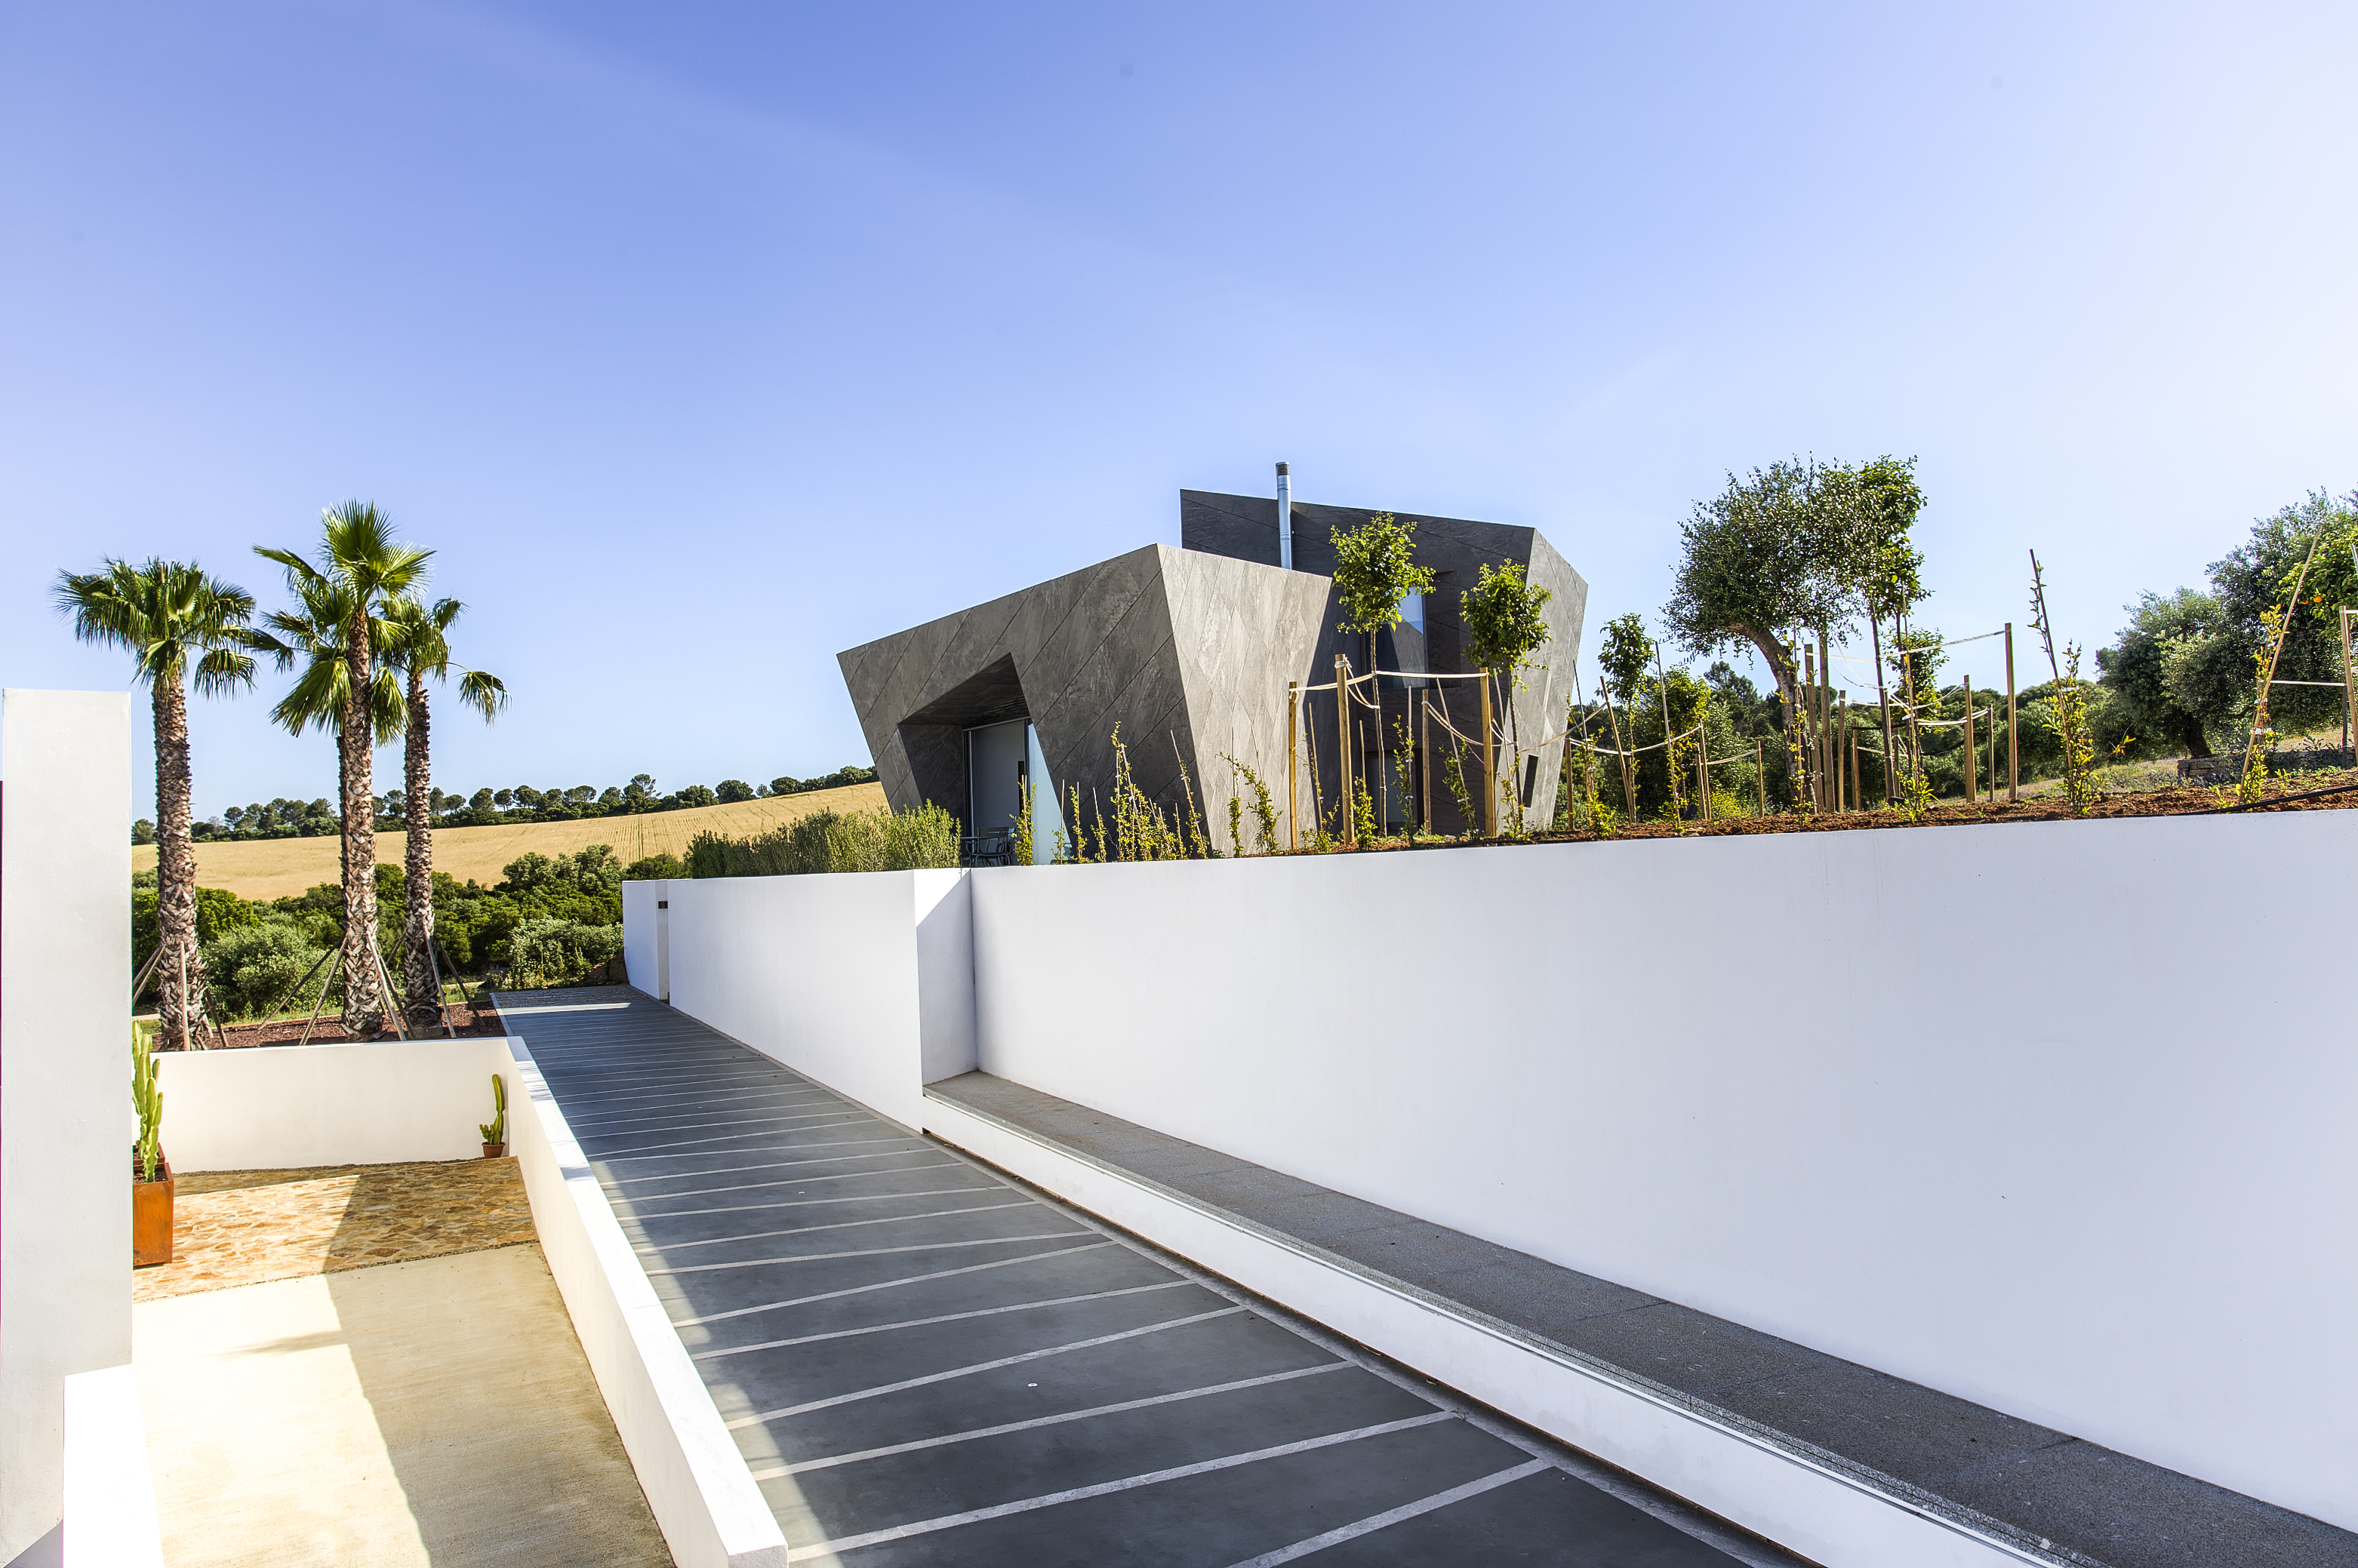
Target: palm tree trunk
<point x="180" y="972"/>
<point x="364" y="999"/>
<point x="418" y="976"/>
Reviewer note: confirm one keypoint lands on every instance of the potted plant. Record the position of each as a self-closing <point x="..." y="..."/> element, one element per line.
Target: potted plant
<point x="495" y="1132"/>
<point x="151" y="1174"/>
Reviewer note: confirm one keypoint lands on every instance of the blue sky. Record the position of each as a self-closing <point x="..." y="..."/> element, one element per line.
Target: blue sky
<point x="704" y="341"/>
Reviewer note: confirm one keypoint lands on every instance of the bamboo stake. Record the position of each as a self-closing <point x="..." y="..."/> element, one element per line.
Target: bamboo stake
<point x="1858" y="786"/>
<point x="1490" y="768"/>
<point x="1292" y="750"/>
<point x="1883" y="696"/>
<point x="1424" y="758"/>
<point x="2012" y="751"/>
<point x="1703" y="778"/>
<point x="1350" y="834"/>
<point x="1973" y="756"/>
<point x="2349" y="691"/>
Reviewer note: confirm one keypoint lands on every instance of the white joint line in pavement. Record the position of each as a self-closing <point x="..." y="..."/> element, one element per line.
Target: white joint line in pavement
<point x="660" y="1087"/>
<point x="662" y="1249"/>
<point x="946" y="1317"/>
<point x="813" y="1203"/>
<point x="916" y="1145"/>
<point x="782" y="1182"/>
<point x="873" y="1252"/>
<point x="649" y="1150"/>
<point x="1152" y="1477"/>
<point x="888" y="1284"/>
<point x="1374" y="1523"/>
<point x="699" y="1105"/>
<point x="979" y="1432"/>
<point x="881" y="1389"/>
<point x="766" y="1114"/>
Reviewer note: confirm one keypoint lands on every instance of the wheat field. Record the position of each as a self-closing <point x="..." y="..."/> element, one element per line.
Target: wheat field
<point x="276" y="868"/>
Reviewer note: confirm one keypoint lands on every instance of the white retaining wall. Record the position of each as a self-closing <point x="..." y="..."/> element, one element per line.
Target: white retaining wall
<point x="295" y="1107"/>
<point x="865" y="982"/>
<point x="66" y="1123"/>
<point x="2005" y="1111"/>
<point x="710" y="1508"/>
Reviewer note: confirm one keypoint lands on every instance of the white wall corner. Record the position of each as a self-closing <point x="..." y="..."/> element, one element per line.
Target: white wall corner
<point x="945" y="1007"/>
<point x="110" y="1491"/>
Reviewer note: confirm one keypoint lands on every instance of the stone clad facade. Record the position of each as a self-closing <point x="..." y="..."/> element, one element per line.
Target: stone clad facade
<point x="1189" y="651"/>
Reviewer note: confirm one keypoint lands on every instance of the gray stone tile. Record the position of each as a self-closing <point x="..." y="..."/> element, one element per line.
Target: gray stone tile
<point x="1535" y="1295"/>
<point x="2128" y="1514"/>
<point x="1919" y="1434"/>
<point x="1547" y="1519"/>
<point x="1417" y="1250"/>
<point x="1687" y="1350"/>
<point x="1246" y="1189"/>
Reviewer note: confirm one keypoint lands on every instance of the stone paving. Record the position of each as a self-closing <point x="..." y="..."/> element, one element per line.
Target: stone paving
<point x="242" y="1228"/>
<point x="924" y="1363"/>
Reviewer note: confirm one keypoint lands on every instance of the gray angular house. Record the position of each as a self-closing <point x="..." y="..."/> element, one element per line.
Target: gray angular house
<point x="1189" y="652"/>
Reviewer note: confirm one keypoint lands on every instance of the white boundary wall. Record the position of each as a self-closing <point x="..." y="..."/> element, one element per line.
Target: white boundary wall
<point x="296" y="1107"/>
<point x="2107" y="1192"/>
<point x="865" y="982"/>
<point x="66" y="1123"/>
<point x="706" y="1501"/>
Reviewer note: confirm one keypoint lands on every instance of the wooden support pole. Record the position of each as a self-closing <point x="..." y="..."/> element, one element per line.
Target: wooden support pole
<point x="2350" y="692"/>
<point x="1857" y="787"/>
<point x="1810" y="769"/>
<point x="1973" y="755"/>
<point x="1760" y="773"/>
<point x="2012" y="751"/>
<point x="1489" y="766"/>
<point x="1292" y="764"/>
<point x="1425" y="759"/>
<point x="1351" y="819"/>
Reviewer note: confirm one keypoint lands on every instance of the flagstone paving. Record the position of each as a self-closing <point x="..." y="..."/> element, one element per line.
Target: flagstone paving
<point x="242" y="1228"/>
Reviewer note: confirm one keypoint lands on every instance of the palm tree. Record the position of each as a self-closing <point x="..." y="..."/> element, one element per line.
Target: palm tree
<point x="365" y="569"/>
<point x="180" y="625"/>
<point x="419" y="646"/>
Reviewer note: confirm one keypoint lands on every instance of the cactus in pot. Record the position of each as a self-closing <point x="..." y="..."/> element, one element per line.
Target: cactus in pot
<point x="495" y="1132"/>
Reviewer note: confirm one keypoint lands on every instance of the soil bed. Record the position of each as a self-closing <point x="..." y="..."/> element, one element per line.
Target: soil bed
<point x="481" y="1018"/>
<point x="2045" y="807"/>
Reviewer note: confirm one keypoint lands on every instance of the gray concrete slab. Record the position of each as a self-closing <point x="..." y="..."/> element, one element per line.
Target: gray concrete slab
<point x="1008" y="1352"/>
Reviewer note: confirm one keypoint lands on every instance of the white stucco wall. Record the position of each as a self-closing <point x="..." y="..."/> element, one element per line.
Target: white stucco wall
<point x="294" y="1107"/>
<point x="1775" y="1079"/>
<point x="65" y="1078"/>
<point x="639" y="927"/>
<point x="863" y="981"/>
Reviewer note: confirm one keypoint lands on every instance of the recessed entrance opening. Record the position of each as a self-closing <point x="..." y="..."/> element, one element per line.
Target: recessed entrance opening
<point x="1003" y="763"/>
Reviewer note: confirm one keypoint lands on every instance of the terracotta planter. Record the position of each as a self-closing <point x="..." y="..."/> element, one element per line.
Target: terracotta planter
<point x="151" y="1215"/>
<point x="494" y="1151"/>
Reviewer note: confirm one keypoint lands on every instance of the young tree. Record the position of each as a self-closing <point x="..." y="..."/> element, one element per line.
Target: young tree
<point x="2137" y="668"/>
<point x="1798" y="545"/>
<point x="418" y="645"/>
<point x="180" y="628"/>
<point x="360" y="561"/>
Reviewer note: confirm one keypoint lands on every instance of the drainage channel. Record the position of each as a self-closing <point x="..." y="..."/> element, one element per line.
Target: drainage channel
<point x="924" y="1361"/>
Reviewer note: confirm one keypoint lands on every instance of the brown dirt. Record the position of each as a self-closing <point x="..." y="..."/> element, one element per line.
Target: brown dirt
<point x="2048" y="807"/>
<point x="481" y="1018"/>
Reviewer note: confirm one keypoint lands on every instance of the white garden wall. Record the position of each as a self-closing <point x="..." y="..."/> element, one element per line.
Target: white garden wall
<point x="66" y="1123"/>
<point x="2106" y="1188"/>
<point x="864" y="983"/>
<point x="296" y="1107"/>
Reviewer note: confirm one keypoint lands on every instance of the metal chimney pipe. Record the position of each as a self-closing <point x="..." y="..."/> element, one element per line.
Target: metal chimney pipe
<point x="1285" y="518"/>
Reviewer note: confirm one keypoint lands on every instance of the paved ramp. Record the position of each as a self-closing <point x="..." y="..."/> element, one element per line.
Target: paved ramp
<point x="925" y="1362"/>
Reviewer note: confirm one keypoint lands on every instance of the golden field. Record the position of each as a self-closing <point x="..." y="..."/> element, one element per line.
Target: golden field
<point x="276" y="868"/>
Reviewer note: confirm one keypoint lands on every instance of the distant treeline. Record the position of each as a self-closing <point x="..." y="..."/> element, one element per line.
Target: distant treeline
<point x="284" y="818"/>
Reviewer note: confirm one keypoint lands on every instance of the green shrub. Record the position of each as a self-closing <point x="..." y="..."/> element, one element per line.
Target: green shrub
<point x="254" y="967"/>
<point x="543" y="952"/>
<point x="833" y="841"/>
